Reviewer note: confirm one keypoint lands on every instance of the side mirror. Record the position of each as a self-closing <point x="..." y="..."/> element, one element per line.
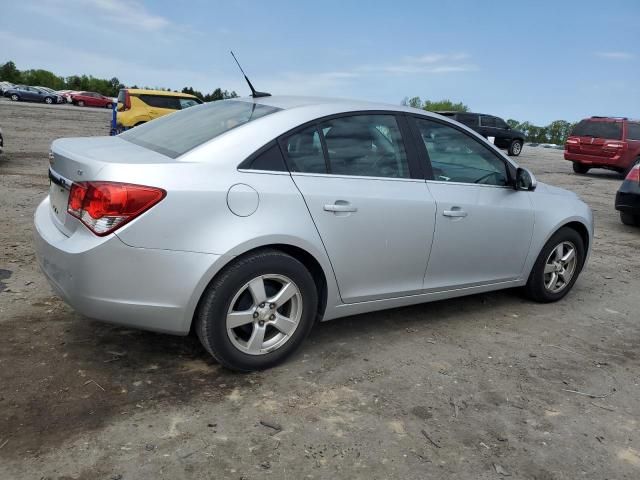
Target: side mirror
<point x="525" y="180"/>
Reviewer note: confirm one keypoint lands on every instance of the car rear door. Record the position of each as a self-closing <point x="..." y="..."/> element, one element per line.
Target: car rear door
<point x="363" y="188"/>
<point x="483" y="226"/>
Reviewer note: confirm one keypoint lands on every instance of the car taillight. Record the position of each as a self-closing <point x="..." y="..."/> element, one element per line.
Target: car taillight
<point x="106" y="206"/>
<point x="634" y="174"/>
<point x="613" y="145"/>
<point x="572" y="141"/>
<point x="127" y="100"/>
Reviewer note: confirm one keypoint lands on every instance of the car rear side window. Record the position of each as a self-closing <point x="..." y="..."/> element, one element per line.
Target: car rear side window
<point x="365" y="145"/>
<point x="633" y="131"/>
<point x="176" y="134"/>
<point x="457" y="157"/>
<point x="487" y="121"/>
<point x="598" y="129"/>
<point x="467" y="119"/>
<point x="268" y="158"/>
<point x="161" y="101"/>
<point x="304" y="151"/>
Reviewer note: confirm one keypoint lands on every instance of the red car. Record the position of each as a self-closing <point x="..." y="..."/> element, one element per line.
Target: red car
<point x="91" y="99"/>
<point x="604" y="142"/>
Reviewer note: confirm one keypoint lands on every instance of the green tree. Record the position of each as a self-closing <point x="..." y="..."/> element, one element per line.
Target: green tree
<point x="444" y="105"/>
<point x="9" y="73"/>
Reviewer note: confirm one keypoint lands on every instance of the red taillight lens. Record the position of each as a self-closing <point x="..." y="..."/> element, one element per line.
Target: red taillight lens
<point x="614" y="145"/>
<point x="106" y="206"/>
<point x="634" y="174"/>
<point x="572" y="141"/>
<point x="127" y="100"/>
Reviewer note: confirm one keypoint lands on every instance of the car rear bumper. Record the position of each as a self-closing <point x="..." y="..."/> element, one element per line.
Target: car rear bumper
<point x="628" y="198"/>
<point x="596" y="160"/>
<point x="105" y="279"/>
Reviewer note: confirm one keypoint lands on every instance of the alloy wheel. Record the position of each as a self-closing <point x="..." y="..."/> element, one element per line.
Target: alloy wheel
<point x="264" y="314"/>
<point x="560" y="267"/>
<point x="517" y="147"/>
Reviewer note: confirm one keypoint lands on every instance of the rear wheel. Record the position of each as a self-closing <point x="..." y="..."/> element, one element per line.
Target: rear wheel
<point x="257" y="311"/>
<point x="80" y="103"/>
<point x="15" y="97"/>
<point x="630" y="219"/>
<point x="108" y="106"/>
<point x="580" y="168"/>
<point x="557" y="267"/>
<point x="515" y="148"/>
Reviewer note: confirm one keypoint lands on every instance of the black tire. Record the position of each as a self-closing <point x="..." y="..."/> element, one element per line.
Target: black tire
<point x="210" y="319"/>
<point x="14" y="97"/>
<point x="48" y="100"/>
<point x="580" y="168"/>
<point x="630" y="219"/>
<point x="108" y="106"/>
<point x="80" y="103"/>
<point x="535" y="287"/>
<point x="515" y="148"/>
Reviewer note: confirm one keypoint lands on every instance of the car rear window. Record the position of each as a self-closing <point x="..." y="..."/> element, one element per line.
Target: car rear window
<point x="176" y="134"/>
<point x="598" y="129"/>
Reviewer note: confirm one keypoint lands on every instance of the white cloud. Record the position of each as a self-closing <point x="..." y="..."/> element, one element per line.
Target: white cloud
<point x="428" y="63"/>
<point x="615" y="55"/>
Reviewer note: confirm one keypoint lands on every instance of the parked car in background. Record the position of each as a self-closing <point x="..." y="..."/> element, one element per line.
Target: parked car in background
<point x="5" y="86"/>
<point x="628" y="197"/>
<point x="66" y="95"/>
<point x="32" y="94"/>
<point x="251" y="219"/>
<point x="491" y="126"/>
<point x="136" y="106"/>
<point x="604" y="142"/>
<point x="90" y="99"/>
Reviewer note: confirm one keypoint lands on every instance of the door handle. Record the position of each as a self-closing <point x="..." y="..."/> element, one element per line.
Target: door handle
<point x="340" y="207"/>
<point x="455" y="212"/>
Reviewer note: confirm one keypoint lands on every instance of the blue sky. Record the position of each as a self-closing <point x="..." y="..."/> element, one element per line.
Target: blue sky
<point x="537" y="61"/>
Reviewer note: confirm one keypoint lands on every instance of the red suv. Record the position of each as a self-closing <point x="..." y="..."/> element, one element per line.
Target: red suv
<point x="604" y="142"/>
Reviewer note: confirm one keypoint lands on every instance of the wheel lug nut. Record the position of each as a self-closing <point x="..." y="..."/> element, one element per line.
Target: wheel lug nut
<point x="262" y="305"/>
<point x="272" y="306"/>
<point x="261" y="323"/>
<point x="255" y="314"/>
<point x="272" y="317"/>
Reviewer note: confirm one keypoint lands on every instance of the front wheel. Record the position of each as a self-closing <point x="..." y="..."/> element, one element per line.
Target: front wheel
<point x="557" y="267"/>
<point x="15" y="98"/>
<point x="80" y="103"/>
<point x="108" y="106"/>
<point x="630" y="219"/>
<point x="580" y="168"/>
<point x="515" y="148"/>
<point x="48" y="100"/>
<point x="257" y="311"/>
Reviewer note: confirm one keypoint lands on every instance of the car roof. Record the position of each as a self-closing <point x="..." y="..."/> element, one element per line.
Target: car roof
<point x="289" y="102"/>
<point x="143" y="91"/>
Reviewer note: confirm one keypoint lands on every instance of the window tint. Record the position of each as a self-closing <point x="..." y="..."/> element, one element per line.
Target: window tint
<point x="487" y="121"/>
<point x="187" y="102"/>
<point x="161" y="101"/>
<point x="457" y="157"/>
<point x="365" y="145"/>
<point x="268" y="158"/>
<point x="633" y="131"/>
<point x="467" y="119"/>
<point x="304" y="151"/>
<point x="175" y="134"/>
<point x="598" y="129"/>
<point x="501" y="123"/>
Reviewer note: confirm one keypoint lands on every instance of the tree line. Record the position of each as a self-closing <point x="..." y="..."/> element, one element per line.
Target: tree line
<point x="556" y="132"/>
<point x="109" y="87"/>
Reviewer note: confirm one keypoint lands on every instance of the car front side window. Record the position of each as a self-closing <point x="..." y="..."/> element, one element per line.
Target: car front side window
<point x="457" y="157"/>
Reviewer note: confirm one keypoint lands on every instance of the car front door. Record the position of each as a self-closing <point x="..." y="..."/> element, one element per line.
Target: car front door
<point x="371" y="207"/>
<point x="483" y="226"/>
<point x="30" y="94"/>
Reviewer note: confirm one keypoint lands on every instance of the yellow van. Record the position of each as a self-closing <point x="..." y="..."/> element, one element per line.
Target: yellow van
<point x="136" y="106"/>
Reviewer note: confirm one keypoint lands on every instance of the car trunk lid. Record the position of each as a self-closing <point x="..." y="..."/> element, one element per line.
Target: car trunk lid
<point x="82" y="160"/>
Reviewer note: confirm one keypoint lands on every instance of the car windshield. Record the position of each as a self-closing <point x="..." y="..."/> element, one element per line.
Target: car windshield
<point x="177" y="133"/>
<point x="598" y="129"/>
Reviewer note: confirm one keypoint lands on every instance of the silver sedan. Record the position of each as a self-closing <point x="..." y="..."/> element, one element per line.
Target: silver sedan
<point x="248" y="220"/>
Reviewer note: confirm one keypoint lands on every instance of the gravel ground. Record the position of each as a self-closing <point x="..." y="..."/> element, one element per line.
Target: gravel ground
<point x="477" y="387"/>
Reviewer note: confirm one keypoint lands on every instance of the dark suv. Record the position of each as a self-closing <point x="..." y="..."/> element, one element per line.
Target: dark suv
<point x="491" y="126"/>
<point x="604" y="142"/>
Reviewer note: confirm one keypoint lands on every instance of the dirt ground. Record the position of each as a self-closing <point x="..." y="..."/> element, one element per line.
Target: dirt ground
<point x="483" y="387"/>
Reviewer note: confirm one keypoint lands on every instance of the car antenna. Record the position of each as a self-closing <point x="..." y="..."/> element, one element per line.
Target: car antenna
<point x="254" y="92"/>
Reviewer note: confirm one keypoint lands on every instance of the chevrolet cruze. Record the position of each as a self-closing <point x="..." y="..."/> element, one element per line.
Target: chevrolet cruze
<point x="248" y="220"/>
